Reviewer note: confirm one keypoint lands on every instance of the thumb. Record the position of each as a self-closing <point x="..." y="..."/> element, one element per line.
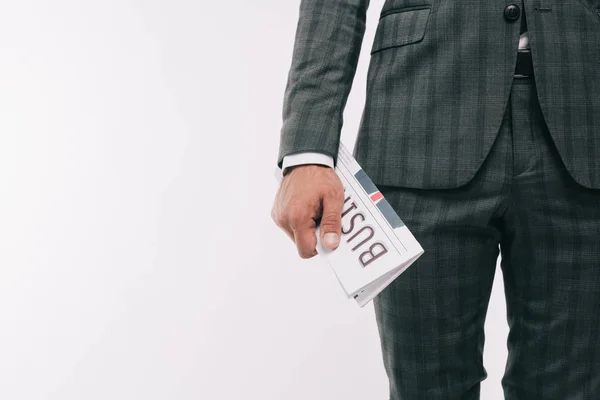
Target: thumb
<point x="331" y="221"/>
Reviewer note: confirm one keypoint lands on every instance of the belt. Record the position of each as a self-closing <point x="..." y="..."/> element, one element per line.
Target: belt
<point x="524" y="66"/>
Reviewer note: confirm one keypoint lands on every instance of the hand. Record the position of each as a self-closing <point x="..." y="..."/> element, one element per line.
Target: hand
<point x="309" y="193"/>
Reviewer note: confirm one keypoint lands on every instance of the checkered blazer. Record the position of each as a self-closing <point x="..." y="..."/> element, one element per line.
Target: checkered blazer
<point x="438" y="83"/>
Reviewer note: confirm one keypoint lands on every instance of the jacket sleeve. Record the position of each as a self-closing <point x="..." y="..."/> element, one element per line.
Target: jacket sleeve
<point x="327" y="45"/>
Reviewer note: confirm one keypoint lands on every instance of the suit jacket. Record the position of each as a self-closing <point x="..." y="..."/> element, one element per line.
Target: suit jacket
<point x="438" y="83"/>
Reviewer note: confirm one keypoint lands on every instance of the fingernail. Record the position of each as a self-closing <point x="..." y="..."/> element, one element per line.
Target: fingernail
<point x="331" y="239"/>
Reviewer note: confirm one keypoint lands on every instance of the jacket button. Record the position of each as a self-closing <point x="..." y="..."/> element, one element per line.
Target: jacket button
<point x="512" y="12"/>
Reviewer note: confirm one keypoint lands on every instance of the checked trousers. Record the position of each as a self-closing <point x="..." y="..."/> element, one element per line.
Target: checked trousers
<point x="523" y="205"/>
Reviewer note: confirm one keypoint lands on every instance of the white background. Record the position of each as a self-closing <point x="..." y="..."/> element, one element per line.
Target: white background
<point x="137" y="255"/>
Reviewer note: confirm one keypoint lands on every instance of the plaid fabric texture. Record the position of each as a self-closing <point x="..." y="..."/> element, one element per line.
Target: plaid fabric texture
<point x="438" y="83"/>
<point x="431" y="318"/>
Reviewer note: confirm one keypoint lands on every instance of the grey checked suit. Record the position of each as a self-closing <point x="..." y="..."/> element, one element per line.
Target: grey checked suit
<point x="473" y="160"/>
<point x="438" y="83"/>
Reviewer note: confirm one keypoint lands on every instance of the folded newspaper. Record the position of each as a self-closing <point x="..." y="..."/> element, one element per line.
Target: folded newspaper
<point x="376" y="246"/>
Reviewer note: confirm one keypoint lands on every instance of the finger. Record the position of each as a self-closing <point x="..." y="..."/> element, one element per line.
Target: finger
<point x="303" y="227"/>
<point x="331" y="219"/>
<point x="290" y="234"/>
<point x="281" y="220"/>
<point x="306" y="241"/>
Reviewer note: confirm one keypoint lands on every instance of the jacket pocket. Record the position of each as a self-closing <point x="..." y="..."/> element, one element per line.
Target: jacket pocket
<point x="398" y="27"/>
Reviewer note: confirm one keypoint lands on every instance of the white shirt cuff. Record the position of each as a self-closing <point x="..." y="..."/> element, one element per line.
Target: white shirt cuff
<point x="306" y="158"/>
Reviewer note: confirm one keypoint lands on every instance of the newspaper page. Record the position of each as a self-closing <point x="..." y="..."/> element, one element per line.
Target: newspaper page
<point x="376" y="246"/>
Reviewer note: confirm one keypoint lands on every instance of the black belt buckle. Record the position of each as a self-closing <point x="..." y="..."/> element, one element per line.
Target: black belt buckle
<point x="524" y="66"/>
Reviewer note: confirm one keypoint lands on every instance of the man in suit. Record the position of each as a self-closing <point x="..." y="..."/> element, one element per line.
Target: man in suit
<point x="482" y="128"/>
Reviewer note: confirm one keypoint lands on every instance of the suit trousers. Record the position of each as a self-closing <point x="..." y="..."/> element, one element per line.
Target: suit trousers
<point x="523" y="204"/>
